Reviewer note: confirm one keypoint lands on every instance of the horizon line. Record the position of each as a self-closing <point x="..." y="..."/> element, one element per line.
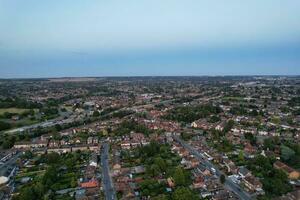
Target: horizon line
<point x="145" y="76"/>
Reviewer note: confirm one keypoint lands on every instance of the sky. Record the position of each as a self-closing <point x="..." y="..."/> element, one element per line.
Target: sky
<point x="62" y="38"/>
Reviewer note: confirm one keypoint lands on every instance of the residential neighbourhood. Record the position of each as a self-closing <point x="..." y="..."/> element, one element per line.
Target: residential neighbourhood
<point x="150" y="138"/>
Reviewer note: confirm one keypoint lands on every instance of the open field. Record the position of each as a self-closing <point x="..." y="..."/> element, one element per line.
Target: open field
<point x="16" y="110"/>
<point x="12" y="110"/>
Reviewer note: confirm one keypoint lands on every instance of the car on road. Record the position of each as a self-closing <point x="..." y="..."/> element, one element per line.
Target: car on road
<point x="213" y="170"/>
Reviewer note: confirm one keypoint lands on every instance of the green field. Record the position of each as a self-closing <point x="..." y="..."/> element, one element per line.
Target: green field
<point x="12" y="110"/>
<point x="234" y="98"/>
<point x="16" y="110"/>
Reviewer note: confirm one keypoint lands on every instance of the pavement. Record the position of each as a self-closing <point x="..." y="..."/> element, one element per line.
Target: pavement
<point x="9" y="165"/>
<point x="108" y="187"/>
<point x="57" y="121"/>
<point x="229" y="184"/>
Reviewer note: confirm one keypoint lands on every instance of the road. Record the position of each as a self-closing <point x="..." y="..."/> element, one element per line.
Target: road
<point x="10" y="164"/>
<point x="68" y="117"/>
<point x="228" y="183"/>
<point x="57" y="121"/>
<point x="108" y="187"/>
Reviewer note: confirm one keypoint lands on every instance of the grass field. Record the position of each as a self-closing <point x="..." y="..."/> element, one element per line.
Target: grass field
<point x="234" y="98"/>
<point x="16" y="110"/>
<point x="12" y="110"/>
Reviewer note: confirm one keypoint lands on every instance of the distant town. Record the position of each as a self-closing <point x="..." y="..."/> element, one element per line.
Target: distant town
<point x="142" y="138"/>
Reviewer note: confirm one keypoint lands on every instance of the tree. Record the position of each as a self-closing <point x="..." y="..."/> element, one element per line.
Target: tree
<point x="286" y="152"/>
<point x="96" y="113"/>
<point x="28" y="154"/>
<point x="58" y="127"/>
<point x="8" y="142"/>
<point x="161" y="197"/>
<point x="179" y="177"/>
<point x="50" y="177"/>
<point x="241" y="156"/>
<point x="161" y="164"/>
<point x="152" y="170"/>
<point x="53" y="158"/>
<point x="4" y="126"/>
<point x="184" y="193"/>
<point x="228" y="126"/>
<point x="222" y="179"/>
<point x="27" y="194"/>
<point x="73" y="182"/>
<point x="251" y="138"/>
<point x="269" y="144"/>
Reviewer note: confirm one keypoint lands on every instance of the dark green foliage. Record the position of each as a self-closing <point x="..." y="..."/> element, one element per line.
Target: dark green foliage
<point x="251" y="138"/>
<point x="275" y="182"/>
<point x="127" y="126"/>
<point x="54" y="179"/>
<point x="184" y="193"/>
<point x="189" y="114"/>
<point x="286" y="153"/>
<point x="4" y="126"/>
<point x="151" y="188"/>
<point x="295" y="101"/>
<point x="96" y="114"/>
<point x="214" y="119"/>
<point x="270" y="143"/>
<point x="8" y="142"/>
<point x="228" y="126"/>
<point x="18" y="103"/>
<point x="181" y="177"/>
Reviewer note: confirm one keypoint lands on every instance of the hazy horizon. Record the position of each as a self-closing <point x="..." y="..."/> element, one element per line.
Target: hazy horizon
<point x="169" y="38"/>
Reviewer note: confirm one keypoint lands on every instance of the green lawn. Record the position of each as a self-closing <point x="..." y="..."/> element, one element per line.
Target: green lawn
<point x="13" y="110"/>
<point x="33" y="174"/>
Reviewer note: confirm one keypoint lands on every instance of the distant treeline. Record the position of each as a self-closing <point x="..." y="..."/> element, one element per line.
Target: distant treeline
<point x="18" y="103"/>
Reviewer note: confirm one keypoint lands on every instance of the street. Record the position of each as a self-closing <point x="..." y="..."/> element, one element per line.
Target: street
<point x="108" y="187"/>
<point x="228" y="183"/>
<point x="10" y="164"/>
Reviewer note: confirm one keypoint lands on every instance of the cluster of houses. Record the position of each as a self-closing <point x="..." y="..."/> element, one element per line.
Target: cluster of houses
<point x="292" y="173"/>
<point x="240" y="175"/>
<point x="126" y="179"/>
<point x="48" y="145"/>
<point x="134" y="140"/>
<point x="89" y="183"/>
<point x="158" y="124"/>
<point x="204" y="179"/>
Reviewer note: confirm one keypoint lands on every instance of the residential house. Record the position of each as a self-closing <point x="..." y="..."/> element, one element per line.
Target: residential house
<point x="199" y="182"/>
<point x="292" y="173"/>
<point x="253" y="183"/>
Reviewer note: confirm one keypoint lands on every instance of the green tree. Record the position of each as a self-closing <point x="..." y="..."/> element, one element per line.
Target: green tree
<point x="179" y="177"/>
<point x="96" y="114"/>
<point x="73" y="182"/>
<point x="27" y="194"/>
<point x="161" y="164"/>
<point x="241" y="156"/>
<point x="184" y="193"/>
<point x="228" y="126"/>
<point x="153" y="170"/>
<point x="50" y="176"/>
<point x="269" y="144"/>
<point x="161" y="197"/>
<point x="53" y="158"/>
<point x="286" y="152"/>
<point x="4" y="126"/>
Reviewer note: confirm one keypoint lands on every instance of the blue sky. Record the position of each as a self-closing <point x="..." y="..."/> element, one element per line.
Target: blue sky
<point x="128" y="38"/>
